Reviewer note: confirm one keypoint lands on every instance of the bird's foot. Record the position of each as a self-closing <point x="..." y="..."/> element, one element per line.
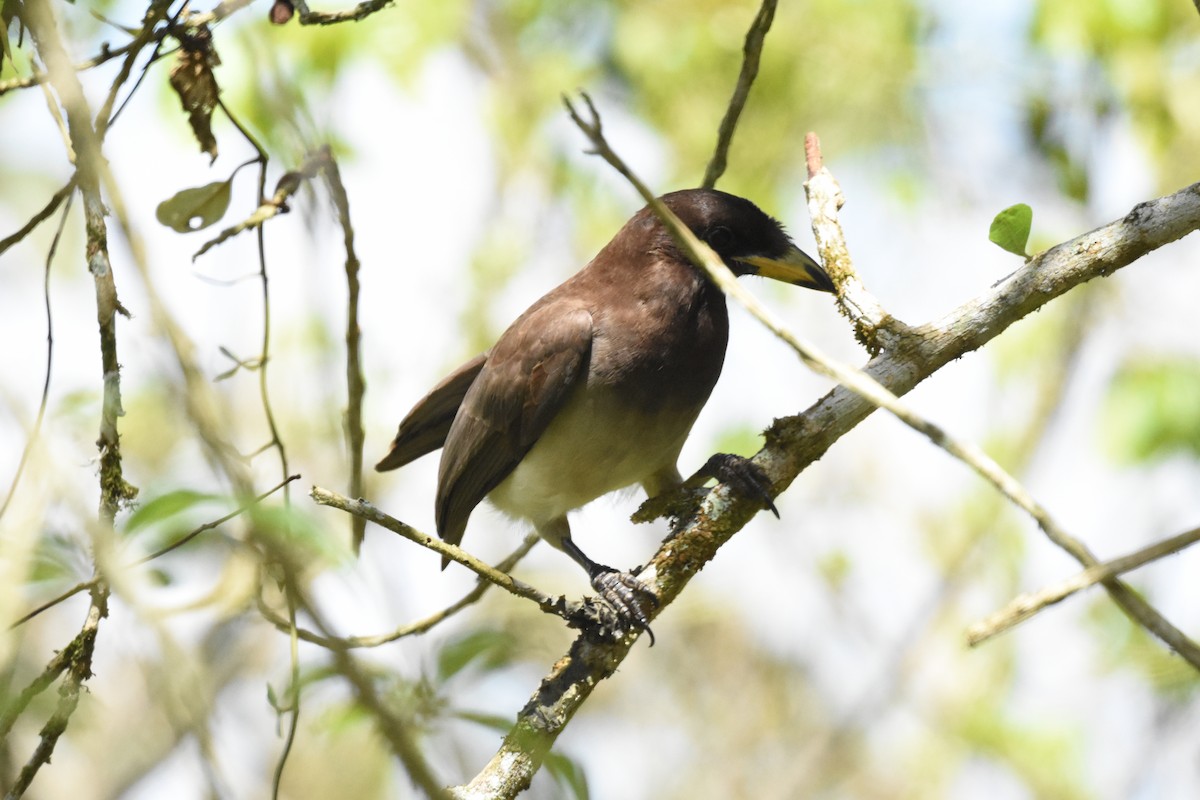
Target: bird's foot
<point x="740" y="474"/>
<point x="632" y="600"/>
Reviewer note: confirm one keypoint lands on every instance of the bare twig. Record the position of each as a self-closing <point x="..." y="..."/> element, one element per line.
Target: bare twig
<point x="208" y="526"/>
<point x="871" y="390"/>
<point x="359" y="12"/>
<point x="411" y="629"/>
<point x="221" y="11"/>
<point x="35" y="431"/>
<point x="874" y="327"/>
<point x="356" y="384"/>
<point x="395" y="730"/>
<point x="751" y="52"/>
<point x="114" y="490"/>
<point x="1027" y="605"/>
<point x="506" y="582"/>
<point x="793" y="443"/>
<point x="55" y="201"/>
<point x="272" y="206"/>
<point x="38" y="78"/>
<point x="156" y="12"/>
<point x="78" y="667"/>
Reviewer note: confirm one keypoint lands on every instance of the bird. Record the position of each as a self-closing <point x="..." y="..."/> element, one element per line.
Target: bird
<point x="596" y="386"/>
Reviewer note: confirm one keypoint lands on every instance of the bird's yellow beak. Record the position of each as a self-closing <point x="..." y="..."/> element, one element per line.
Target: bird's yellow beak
<point x="796" y="267"/>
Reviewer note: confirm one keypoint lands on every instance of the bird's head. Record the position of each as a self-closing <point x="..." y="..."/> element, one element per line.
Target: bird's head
<point x="747" y="239"/>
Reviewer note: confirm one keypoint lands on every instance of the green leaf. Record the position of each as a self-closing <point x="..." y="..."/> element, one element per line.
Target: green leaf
<point x="1010" y="228"/>
<point x="197" y="208"/>
<point x="569" y="773"/>
<point x="299" y="532"/>
<point x="165" y="507"/>
<point x="492" y="649"/>
<point x="492" y="721"/>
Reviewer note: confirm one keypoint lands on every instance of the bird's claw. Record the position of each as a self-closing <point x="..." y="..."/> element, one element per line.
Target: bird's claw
<point x="631" y="599"/>
<point x="740" y="474"/>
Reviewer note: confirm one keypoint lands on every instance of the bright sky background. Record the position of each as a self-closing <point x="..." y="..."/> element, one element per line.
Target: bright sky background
<point x="427" y="198"/>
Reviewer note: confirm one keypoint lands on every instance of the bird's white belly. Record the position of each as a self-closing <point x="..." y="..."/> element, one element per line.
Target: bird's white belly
<point x="594" y="446"/>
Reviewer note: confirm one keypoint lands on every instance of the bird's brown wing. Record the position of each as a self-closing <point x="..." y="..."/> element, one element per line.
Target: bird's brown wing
<point x="424" y="429"/>
<point x="528" y="377"/>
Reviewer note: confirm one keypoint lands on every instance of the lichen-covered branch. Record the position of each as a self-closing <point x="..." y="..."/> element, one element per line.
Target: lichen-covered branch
<point x="793" y="443"/>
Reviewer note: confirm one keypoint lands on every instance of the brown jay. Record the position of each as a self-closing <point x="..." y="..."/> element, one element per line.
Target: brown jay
<point x="596" y="386"/>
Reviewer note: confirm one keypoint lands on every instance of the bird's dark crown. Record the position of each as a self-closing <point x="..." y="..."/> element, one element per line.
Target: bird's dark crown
<point x="732" y="226"/>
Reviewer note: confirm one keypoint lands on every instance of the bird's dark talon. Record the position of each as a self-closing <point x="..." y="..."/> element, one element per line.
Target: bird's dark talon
<point x="741" y="474"/>
<point x="630" y="598"/>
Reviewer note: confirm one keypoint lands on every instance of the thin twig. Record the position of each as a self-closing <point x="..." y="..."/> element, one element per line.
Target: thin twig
<point x="413" y="628"/>
<point x="356" y="384"/>
<point x="269" y="207"/>
<point x="208" y="526"/>
<point x="359" y="12"/>
<point x="114" y="490"/>
<point x="55" y="201"/>
<point x="294" y="693"/>
<point x="874" y="328"/>
<point x="38" y="78"/>
<point x="156" y="12"/>
<point x="78" y="668"/>
<point x="398" y="732"/>
<point x="822" y="191"/>
<point x="871" y="390"/>
<point x="1027" y="605"/>
<point x="36" y="430"/>
<point x="751" y="53"/>
<point x="506" y="582"/>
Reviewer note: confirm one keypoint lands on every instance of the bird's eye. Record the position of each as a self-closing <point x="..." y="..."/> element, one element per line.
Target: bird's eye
<point x="720" y="238"/>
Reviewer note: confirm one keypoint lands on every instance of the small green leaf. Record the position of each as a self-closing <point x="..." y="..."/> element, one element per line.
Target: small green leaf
<point x="197" y="208"/>
<point x="492" y="721"/>
<point x="299" y="532"/>
<point x="1010" y="228"/>
<point x="492" y="649"/>
<point x="164" y="507"/>
<point x="569" y="773"/>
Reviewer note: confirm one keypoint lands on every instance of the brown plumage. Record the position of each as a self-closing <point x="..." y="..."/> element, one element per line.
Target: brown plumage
<point x="597" y="385"/>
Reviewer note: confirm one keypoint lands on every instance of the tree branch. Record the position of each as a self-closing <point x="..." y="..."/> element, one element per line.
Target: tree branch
<point x="356" y="384"/>
<point x="576" y="614"/>
<point x="795" y="442"/>
<point x="359" y="12"/>
<point x="879" y="395"/>
<point x="874" y="328"/>
<point x="1027" y="605"/>
<point x="411" y="629"/>
<point x="751" y="53"/>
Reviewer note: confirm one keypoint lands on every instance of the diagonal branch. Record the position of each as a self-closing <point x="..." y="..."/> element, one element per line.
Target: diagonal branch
<point x="414" y="628"/>
<point x="1027" y="605"/>
<point x="356" y="384"/>
<point x="871" y="390"/>
<point x="793" y="443"/>
<point x="573" y="613"/>
<point x="751" y="53"/>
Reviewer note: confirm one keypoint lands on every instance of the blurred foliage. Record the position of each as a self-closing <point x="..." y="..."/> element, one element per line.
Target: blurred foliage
<point x="735" y="710"/>
<point x="1128" y="647"/>
<point x="1152" y="409"/>
<point x="1116" y="57"/>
